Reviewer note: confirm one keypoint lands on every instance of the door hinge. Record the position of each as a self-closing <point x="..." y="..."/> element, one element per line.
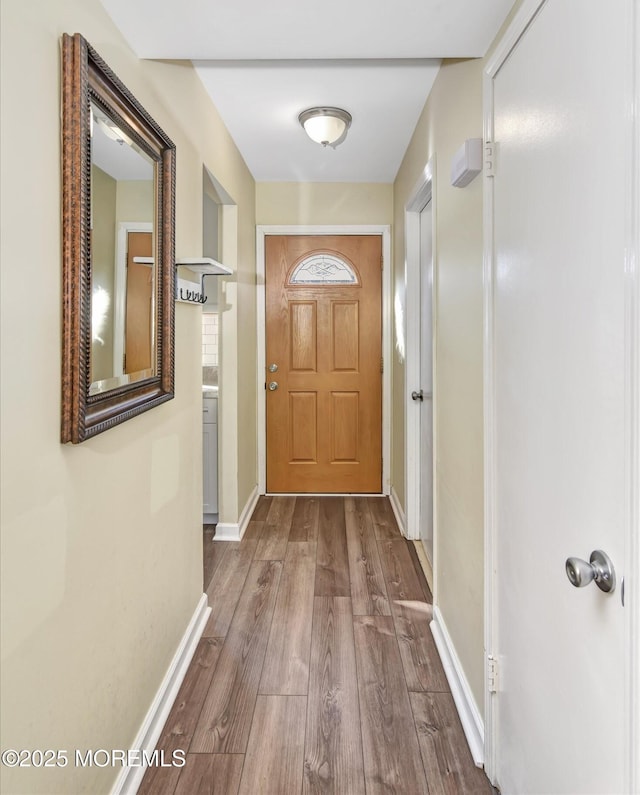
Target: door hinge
<point x="381" y="263"/>
<point x="124" y="362"/>
<point x="382" y="364"/>
<point x="492" y="673"/>
<point x="490" y="159"/>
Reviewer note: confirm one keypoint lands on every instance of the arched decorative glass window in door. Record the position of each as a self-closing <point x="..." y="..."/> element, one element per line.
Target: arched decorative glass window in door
<point x="323" y="267"/>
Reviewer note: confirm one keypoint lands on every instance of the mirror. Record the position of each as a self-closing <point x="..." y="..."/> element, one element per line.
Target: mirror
<point x="123" y="276"/>
<point x="118" y="250"/>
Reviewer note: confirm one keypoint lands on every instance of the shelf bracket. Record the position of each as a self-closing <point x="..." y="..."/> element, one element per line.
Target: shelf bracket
<point x="203" y="266"/>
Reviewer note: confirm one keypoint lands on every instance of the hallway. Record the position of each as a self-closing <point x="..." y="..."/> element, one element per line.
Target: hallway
<point x="317" y="671"/>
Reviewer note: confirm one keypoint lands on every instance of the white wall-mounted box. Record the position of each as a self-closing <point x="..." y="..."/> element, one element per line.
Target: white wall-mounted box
<point x="466" y="164"/>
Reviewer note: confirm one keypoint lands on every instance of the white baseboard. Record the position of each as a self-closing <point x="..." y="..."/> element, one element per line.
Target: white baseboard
<point x="130" y="778"/>
<point x="398" y="512"/>
<point x="227" y="531"/>
<point x="426" y="564"/>
<point x="470" y="718"/>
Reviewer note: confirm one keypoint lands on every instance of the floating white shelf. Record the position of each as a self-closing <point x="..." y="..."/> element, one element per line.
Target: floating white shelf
<point x="144" y="260"/>
<point x="205" y="266"/>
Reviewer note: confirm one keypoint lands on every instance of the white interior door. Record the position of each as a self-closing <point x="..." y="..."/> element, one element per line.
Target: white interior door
<point x="426" y="381"/>
<point x="563" y="406"/>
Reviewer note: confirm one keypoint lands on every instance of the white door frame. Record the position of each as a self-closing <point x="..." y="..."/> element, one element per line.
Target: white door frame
<point x="422" y="193"/>
<point x="384" y="231"/>
<point x="519" y="24"/>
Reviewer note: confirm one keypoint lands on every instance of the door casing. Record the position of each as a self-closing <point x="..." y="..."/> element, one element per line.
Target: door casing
<point x="384" y="231"/>
<point x="525" y="15"/>
<point x="422" y="193"/>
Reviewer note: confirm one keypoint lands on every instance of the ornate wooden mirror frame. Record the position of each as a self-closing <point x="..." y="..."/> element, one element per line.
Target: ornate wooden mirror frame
<point x="89" y="84"/>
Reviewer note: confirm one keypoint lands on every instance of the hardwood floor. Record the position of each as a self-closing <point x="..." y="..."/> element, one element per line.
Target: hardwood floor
<point x="317" y="672"/>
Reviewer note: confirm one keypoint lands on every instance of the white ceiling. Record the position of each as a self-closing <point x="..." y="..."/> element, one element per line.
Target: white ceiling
<point x="264" y="61"/>
<point x="260" y="102"/>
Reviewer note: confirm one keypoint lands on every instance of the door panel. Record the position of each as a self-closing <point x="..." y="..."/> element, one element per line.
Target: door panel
<point x="346" y="411"/>
<point x="303" y="345"/>
<point x="324" y="335"/>
<point x="303" y="419"/>
<point x="139" y="309"/>
<point x="559" y="384"/>
<point x="345" y="336"/>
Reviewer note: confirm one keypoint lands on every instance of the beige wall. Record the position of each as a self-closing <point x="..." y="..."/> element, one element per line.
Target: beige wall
<point x="453" y="113"/>
<point x="319" y="203"/>
<point x="101" y="542"/>
<point x="134" y="200"/>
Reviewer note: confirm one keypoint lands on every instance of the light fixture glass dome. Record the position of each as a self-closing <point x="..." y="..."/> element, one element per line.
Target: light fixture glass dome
<point x="326" y="126"/>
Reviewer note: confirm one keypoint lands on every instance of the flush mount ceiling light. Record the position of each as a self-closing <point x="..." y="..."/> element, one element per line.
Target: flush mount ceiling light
<point x="326" y="126"/>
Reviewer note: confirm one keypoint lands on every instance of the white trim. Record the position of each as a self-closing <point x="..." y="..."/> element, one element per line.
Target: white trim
<point x="229" y="531"/>
<point x="401" y="519"/>
<point x="422" y="193"/>
<point x="632" y="419"/>
<point x="490" y="541"/>
<point x="382" y="230"/>
<point x="523" y="18"/>
<point x="521" y="21"/>
<point x="120" y="288"/>
<point x="463" y="697"/>
<point x="427" y="568"/>
<point x="130" y="777"/>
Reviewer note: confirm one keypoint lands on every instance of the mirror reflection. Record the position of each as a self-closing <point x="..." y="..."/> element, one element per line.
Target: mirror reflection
<point x="123" y="262"/>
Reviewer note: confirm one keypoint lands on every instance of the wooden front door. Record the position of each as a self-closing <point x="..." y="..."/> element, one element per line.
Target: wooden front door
<point x="138" y="335"/>
<point x="324" y="336"/>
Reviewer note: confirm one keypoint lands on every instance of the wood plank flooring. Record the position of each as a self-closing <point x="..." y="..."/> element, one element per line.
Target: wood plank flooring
<point x="317" y="672"/>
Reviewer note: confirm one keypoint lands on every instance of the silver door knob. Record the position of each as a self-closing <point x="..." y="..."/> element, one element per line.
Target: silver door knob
<point x="417" y="395"/>
<point x="273" y="385"/>
<point x="273" y="368"/>
<point x="599" y="570"/>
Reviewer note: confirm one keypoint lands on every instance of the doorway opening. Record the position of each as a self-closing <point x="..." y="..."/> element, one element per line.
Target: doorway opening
<point x="345" y="402"/>
<point x="419" y="370"/>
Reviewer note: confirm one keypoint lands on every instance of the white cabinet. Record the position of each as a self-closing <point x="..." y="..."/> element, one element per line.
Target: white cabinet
<point x="210" y="458"/>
